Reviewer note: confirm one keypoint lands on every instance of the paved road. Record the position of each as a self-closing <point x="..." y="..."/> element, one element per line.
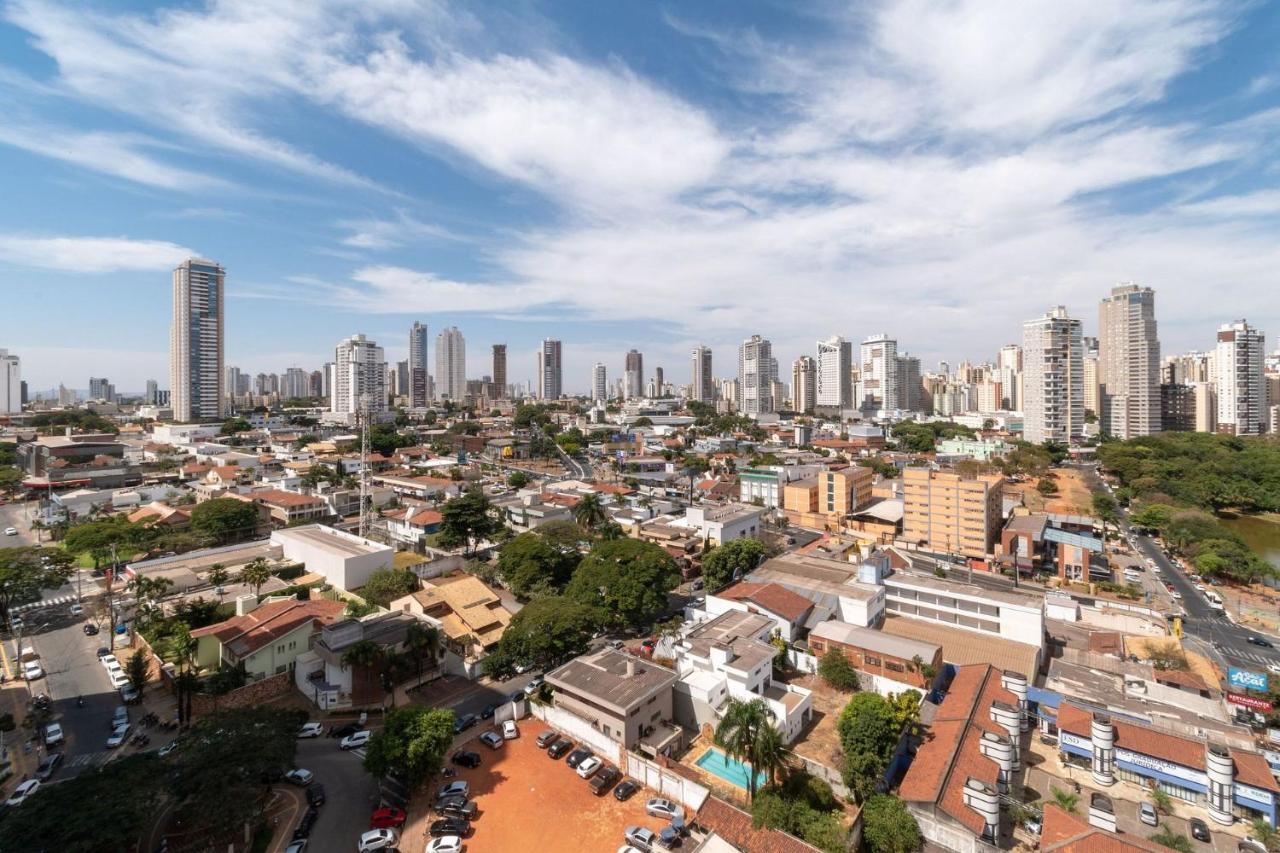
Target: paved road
<point x="17" y="515"/>
<point x="351" y="795"/>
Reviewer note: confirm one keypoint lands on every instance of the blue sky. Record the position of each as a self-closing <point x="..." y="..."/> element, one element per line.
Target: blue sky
<point x="622" y="175"/>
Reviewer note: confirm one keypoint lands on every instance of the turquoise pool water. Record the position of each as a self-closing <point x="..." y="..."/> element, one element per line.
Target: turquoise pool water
<point x="729" y="769"/>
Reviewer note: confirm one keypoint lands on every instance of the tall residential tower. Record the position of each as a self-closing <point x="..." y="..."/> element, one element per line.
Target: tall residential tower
<point x="1129" y="362"/>
<point x="704" y="390"/>
<point x="451" y="364"/>
<point x="196" y="342"/>
<point x="1052" y="378"/>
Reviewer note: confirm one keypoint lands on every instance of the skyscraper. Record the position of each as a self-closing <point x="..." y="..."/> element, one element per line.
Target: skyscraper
<point x="879" y="373"/>
<point x="834" y="389"/>
<point x="359" y="373"/>
<point x="10" y="382"/>
<point x="1241" y="387"/>
<point x="757" y="371"/>
<point x="659" y="382"/>
<point x="500" y="370"/>
<point x="100" y="388"/>
<point x="297" y="382"/>
<point x="803" y="380"/>
<point x="152" y="393"/>
<point x="196" y="341"/>
<point x="909" y="387"/>
<point x="703" y="388"/>
<point x="633" y="375"/>
<point x="1129" y="362"/>
<point x="1052" y="378"/>
<point x="415" y="382"/>
<point x="549" y="370"/>
<point x="451" y="364"/>
<point x="1009" y="366"/>
<point x="599" y="383"/>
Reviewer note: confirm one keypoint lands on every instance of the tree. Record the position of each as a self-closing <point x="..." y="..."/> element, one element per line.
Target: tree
<point x="589" y="512"/>
<point x="218" y="577"/>
<point x="1065" y="800"/>
<point x="545" y="632"/>
<point x="887" y="826"/>
<point x="530" y="562"/>
<point x="1104" y="508"/>
<point x="1167" y="837"/>
<point x="26" y="572"/>
<point x="231" y="426"/>
<point x="256" y="573"/>
<point x="1161" y="800"/>
<point x="1047" y="486"/>
<point x="1264" y="832"/>
<point x="466" y="520"/>
<point x="730" y="561"/>
<point x="836" y="670"/>
<point x="365" y="655"/>
<point x="627" y="579"/>
<point x="412" y="744"/>
<point x="517" y="479"/>
<point x="137" y="668"/>
<point x="225" y="520"/>
<point x="741" y="734"/>
<point x="98" y="538"/>
<point x="869" y="734"/>
<point x="422" y="642"/>
<point x="1152" y="516"/>
<point x="386" y="585"/>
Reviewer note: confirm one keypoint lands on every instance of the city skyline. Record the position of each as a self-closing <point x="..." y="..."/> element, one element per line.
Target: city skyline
<point x="931" y="205"/>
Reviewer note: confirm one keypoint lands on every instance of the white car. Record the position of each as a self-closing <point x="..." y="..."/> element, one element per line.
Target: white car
<point x="11" y="531"/>
<point x="659" y="807"/>
<point x="378" y="839"/>
<point x="509" y="730"/>
<point x="300" y="777"/>
<point x="31" y="670"/>
<point x="456" y="788"/>
<point x="589" y="766"/>
<point x="109" y="661"/>
<point x="444" y="844"/>
<point x="355" y="741"/>
<point x="52" y="734"/>
<point x="119" y="680"/>
<point x="77" y="609"/>
<point x="1273" y="668"/>
<point x="311" y="730"/>
<point x="118" y="736"/>
<point x="1177" y="595"/>
<point x="20" y="793"/>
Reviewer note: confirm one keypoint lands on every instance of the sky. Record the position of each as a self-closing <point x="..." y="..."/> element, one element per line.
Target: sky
<point x="619" y="174"/>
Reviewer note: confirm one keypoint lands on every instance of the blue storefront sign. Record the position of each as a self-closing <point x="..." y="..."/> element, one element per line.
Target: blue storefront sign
<point x="1246" y="679"/>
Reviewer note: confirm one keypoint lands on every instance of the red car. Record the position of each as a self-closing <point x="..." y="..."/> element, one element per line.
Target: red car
<point x="386" y="818"/>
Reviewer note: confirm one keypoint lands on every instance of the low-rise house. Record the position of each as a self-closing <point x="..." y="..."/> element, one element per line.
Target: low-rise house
<point x="157" y="514"/>
<point x="286" y="508"/>
<point x="625" y="698"/>
<point x="267" y="639"/>
<point x="892" y="664"/>
<point x="787" y="610"/>
<point x="469" y="615"/>
<point x="420" y="487"/>
<point x="717" y="524"/>
<point x="327" y="676"/>
<point x="410" y="525"/>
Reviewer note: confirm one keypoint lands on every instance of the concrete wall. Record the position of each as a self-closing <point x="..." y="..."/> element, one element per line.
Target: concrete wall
<point x="689" y="711"/>
<point x="578" y="729"/>
<point x="674" y="787"/>
<point x="257" y="693"/>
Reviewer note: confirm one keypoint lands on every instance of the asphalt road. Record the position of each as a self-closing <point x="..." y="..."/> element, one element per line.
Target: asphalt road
<point x="17" y="515"/>
<point x="351" y="795"/>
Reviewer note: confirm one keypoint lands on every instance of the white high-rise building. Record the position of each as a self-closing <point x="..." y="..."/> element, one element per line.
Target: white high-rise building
<point x="834" y="376"/>
<point x="1129" y="362"/>
<point x="549" y="370"/>
<point x="416" y="381"/>
<point x="878" y="373"/>
<point x="704" y="390"/>
<point x="1241" y="386"/>
<point x="10" y="382"/>
<point x="196" y="342"/>
<point x="1009" y="366"/>
<point x="1052" y="378"/>
<point x="803" y="384"/>
<point x="757" y="371"/>
<point x="600" y="383"/>
<point x="359" y="374"/>
<point x="451" y="365"/>
<point x="296" y="384"/>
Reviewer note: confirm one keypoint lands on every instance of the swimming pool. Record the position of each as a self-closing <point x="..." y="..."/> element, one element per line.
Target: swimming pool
<point x="729" y="769"/>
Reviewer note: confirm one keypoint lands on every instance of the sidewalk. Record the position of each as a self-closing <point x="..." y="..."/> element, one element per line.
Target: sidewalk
<point x="14" y="696"/>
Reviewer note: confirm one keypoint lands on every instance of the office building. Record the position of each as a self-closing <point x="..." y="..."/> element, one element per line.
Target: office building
<point x="1129" y="362"/>
<point x="910" y="398"/>
<point x="1053" y="378"/>
<point x="756" y="373"/>
<point x="196" y="341"/>
<point x="878" y="371"/>
<point x="1241" y="387"/>
<point x="951" y="514"/>
<point x="633" y="375"/>
<point x="500" y="370"/>
<point x="804" y="384"/>
<point x="834" y="374"/>
<point x="417" y="370"/>
<point x="549" y="370"/>
<point x="10" y="382"/>
<point x="659" y="382"/>
<point x="451" y="365"/>
<point x="704" y="389"/>
<point x="359" y="376"/>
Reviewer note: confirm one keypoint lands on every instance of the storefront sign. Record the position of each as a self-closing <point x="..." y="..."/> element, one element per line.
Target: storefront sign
<point x="1159" y="765"/>
<point x="1246" y="679"/>
<point x="1249" y="702"/>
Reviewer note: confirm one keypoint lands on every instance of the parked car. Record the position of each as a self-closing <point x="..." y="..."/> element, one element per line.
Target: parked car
<point x="119" y="680"/>
<point x="642" y="837"/>
<point x="456" y="788"/>
<point x="625" y="789"/>
<point x="31" y="670"/>
<point x="306" y="824"/>
<point x="510" y="730"/>
<point x="90" y="629"/>
<point x="559" y="748"/>
<point x="296" y="846"/>
<point x="547" y="738"/>
<point x="109" y="660"/>
<point x="604" y="777"/>
<point x="130" y="695"/>
<point x="464" y="722"/>
<point x="444" y="844"/>
<point x="118" y="736"/>
<point x="300" y="777"/>
<point x="466" y="758"/>
<point x="344" y="731"/>
<point x="386" y="818"/>
<point x="355" y="741"/>
<point x="22" y="792"/>
<point x="1147" y="814"/>
<point x="119" y="717"/>
<point x="488" y="712"/>
<point x="311" y="730"/>
<point x="1200" y="830"/>
<point x="659" y="807"/>
<point x="588" y="767"/>
<point x="449" y="826"/>
<point x="491" y="739"/>
<point x="578" y="756"/>
<point x="534" y="686"/>
<point x="168" y="748"/>
<point x="315" y="795"/>
<point x="48" y="766"/>
<point x="459" y="807"/>
<point x="103" y="652"/>
<point x="378" y="839"/>
<point x="52" y="734"/>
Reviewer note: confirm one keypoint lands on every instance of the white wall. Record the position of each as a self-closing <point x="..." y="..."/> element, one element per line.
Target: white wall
<point x="344" y="572"/>
<point x="578" y="729"/>
<point x="688" y="793"/>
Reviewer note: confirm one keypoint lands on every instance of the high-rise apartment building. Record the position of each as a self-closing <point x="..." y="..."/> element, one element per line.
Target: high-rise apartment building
<point x="100" y="388"/>
<point x="359" y="376"/>
<point x="1129" y="362"/>
<point x="909" y="387"/>
<point x="878" y="370"/>
<point x="1009" y="366"/>
<point x="600" y="383"/>
<point x="757" y="370"/>
<point x="153" y="392"/>
<point x="1052" y="378"/>
<point x="633" y="375"/>
<point x="703" y="387"/>
<point x="1241" y="387"/>
<point x="415" y="378"/>
<point x="500" y="370"/>
<point x="952" y="514"/>
<point x="549" y="370"/>
<point x="834" y="372"/>
<point x="234" y="383"/>
<point x="196" y="341"/>
<point x="659" y="382"/>
<point x="804" y="391"/>
<point x="451" y="365"/>
<point x="295" y="384"/>
<point x="10" y="382"/>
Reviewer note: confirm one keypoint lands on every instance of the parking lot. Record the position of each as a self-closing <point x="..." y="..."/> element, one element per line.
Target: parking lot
<point x="526" y="801"/>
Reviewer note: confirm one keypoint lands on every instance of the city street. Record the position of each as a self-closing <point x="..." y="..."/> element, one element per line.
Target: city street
<point x="351" y="794"/>
<point x="18" y="515"/>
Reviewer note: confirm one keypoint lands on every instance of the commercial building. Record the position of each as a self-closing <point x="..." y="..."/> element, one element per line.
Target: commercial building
<point x="704" y="389"/>
<point x="951" y="513"/>
<point x="757" y="371"/>
<point x="58" y="461"/>
<point x="765" y="486"/>
<point x="720" y="523"/>
<point x="10" y="382"/>
<point x="196" y="341"/>
<point x="878" y="374"/>
<point x="622" y="697"/>
<point x="891" y="664"/>
<point x="550" y="373"/>
<point x="500" y="371"/>
<point x="804" y="393"/>
<point x="359" y="377"/>
<point x="834" y="371"/>
<point x="1063" y="545"/>
<point x="345" y="560"/>
<point x="1129" y="362"/>
<point x="1241" y="388"/>
<point x="451" y="365"/>
<point x="1053" y="378"/>
<point x="633" y="375"/>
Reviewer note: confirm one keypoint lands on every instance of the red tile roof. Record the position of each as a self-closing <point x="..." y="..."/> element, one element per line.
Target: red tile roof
<point x="279" y="497"/>
<point x="244" y="635"/>
<point x="1064" y="832"/>
<point x="734" y="826"/>
<point x="772" y="597"/>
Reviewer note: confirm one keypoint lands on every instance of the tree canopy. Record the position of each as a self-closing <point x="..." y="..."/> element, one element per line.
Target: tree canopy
<point x="412" y="743"/>
<point x="627" y="579"/>
<point x="531" y="563"/>
<point x="1198" y="469"/>
<point x="730" y="560"/>
<point x="225" y="519"/>
<point x="467" y="519"/>
<point x="545" y="632"/>
<point x="386" y="585"/>
<point x="918" y="437"/>
<point x="27" y="571"/>
<point x="836" y="670"/>
<point x="869" y="735"/>
<point x="888" y="827"/>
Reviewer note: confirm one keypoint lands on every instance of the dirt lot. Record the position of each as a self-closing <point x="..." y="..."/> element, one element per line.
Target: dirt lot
<point x="821" y="741"/>
<point x="1073" y="496"/>
<point x="526" y="801"/>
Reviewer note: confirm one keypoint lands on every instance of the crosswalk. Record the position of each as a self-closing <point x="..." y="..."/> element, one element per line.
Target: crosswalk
<point x="44" y="602"/>
<point x="87" y="759"/>
<point x="1252" y="656"/>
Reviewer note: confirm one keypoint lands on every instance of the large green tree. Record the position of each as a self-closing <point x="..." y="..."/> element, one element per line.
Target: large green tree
<point x="386" y="585"/>
<point x="589" y="511"/>
<point x="466" y="520"/>
<point x="412" y="743"/>
<point x="836" y="670"/>
<point x="627" y="579"/>
<point x="225" y="519"/>
<point x="98" y="538"/>
<point x="27" y="572"/>
<point x="545" y="632"/>
<point x="869" y="734"/>
<point x="887" y="826"/>
<point x="730" y="560"/>
<point x="530" y="562"/>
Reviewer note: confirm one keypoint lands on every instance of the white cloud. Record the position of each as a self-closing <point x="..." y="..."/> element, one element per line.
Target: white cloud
<point x="392" y="233"/>
<point x="91" y="254"/>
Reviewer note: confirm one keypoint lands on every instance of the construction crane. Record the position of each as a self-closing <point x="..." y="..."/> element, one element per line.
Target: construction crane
<point x="363" y="417"/>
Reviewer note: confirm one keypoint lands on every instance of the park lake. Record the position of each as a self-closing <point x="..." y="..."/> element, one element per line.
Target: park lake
<point x="1260" y="532"/>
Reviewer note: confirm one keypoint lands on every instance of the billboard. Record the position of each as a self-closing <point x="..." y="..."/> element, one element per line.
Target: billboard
<point x="1249" y="702"/>
<point x="1246" y="679"/>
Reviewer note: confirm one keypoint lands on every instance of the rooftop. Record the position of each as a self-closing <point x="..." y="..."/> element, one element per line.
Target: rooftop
<point x="962" y="647"/>
<point x="612" y="678"/>
<point x="244" y="635"/>
<point x="730" y="512"/>
<point x="903" y="648"/>
<point x="769" y="596"/>
<point x="334" y="541"/>
<point x="731" y="623"/>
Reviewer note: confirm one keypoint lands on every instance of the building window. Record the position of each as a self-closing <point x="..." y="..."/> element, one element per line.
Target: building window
<point x="894" y="667"/>
<point x="871" y="660"/>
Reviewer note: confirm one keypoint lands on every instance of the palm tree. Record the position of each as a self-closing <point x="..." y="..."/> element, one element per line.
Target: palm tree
<point x="256" y="573"/>
<point x="740" y="734"/>
<point x="590" y="511"/>
<point x="183" y="648"/>
<point x="1065" y="800"/>
<point x="39" y="527"/>
<point x="1265" y="833"/>
<point x="365" y="654"/>
<point x="423" y="641"/>
<point x="218" y="575"/>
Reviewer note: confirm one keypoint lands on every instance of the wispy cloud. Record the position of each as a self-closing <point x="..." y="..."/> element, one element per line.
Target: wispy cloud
<point x="91" y="254"/>
<point x="393" y="233"/>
